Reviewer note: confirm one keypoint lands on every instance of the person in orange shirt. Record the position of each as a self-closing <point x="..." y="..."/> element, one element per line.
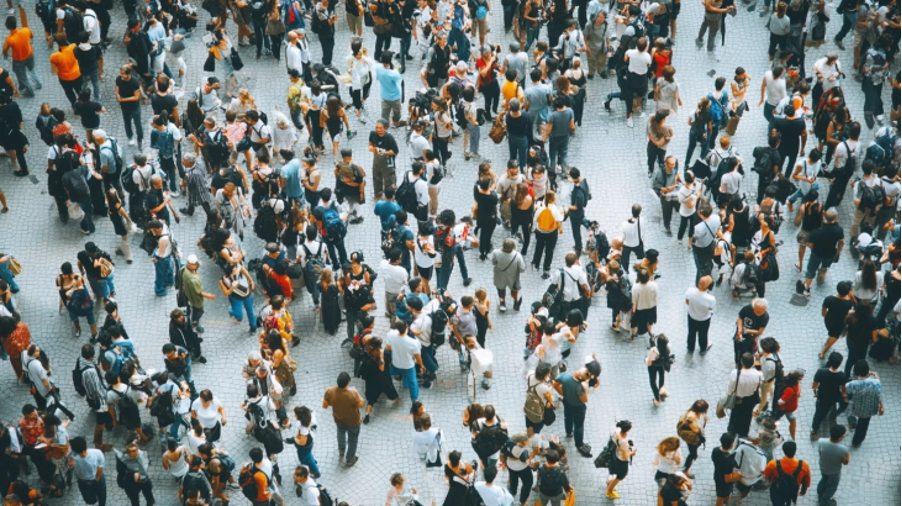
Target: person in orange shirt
<point x="19" y="42"/>
<point x="64" y="66"/>
<point x="791" y="480"/>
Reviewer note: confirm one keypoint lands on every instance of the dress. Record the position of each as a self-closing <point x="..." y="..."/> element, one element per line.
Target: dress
<point x="482" y="325"/>
<point x="119" y="225"/>
<point x="330" y="310"/>
<point x="457" y="491"/>
<point x="14" y="344"/>
<point x="741" y="231"/>
<point x="376" y="382"/>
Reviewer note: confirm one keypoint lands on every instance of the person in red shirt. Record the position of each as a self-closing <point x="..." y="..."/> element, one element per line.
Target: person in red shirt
<point x="779" y="494"/>
<point x="788" y="402"/>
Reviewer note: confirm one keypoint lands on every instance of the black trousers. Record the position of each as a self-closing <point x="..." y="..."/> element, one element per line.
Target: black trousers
<point x="545" y="242"/>
<point x="134" y="493"/>
<point x="485" y="237"/>
<point x="700" y="329"/>
<point x="524" y="477"/>
<point x="741" y="416"/>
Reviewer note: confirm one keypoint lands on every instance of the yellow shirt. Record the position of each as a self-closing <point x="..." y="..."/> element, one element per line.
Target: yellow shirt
<point x="66" y="64"/>
<point x="20" y="42"/>
<point x="511" y="89"/>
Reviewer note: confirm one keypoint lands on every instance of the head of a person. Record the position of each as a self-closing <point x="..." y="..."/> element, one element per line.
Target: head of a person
<point x="747" y="360"/>
<point x="727" y="440"/>
<point x="624" y="426"/>
<point x="759" y="306"/>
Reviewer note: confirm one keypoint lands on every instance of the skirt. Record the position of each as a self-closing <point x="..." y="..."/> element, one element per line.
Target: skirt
<point x="644" y="317"/>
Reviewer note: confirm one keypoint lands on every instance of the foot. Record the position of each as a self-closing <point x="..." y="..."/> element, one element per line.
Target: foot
<point x="468" y="282"/>
<point x="518" y="303"/>
<point x="839" y="43"/>
<point x="689" y="475"/>
<point x="352" y="462"/>
<point x="706" y="349"/>
<point x="201" y="359"/>
<point x="657" y="403"/>
<point x="613" y="495"/>
<point x="813" y="436"/>
<point x="585" y="451"/>
<point x="668" y="232"/>
<point x="607" y="105"/>
<point x="366" y="419"/>
<point x="132" y="142"/>
<point x="502" y="306"/>
<point x="546" y="275"/>
<point x="199" y="329"/>
<point x="591" y="76"/>
<point x="629" y="122"/>
<point x="663" y="392"/>
<point x="20" y="173"/>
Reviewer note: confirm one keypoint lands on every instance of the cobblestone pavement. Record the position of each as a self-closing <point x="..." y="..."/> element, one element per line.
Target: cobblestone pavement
<point x="611" y="156"/>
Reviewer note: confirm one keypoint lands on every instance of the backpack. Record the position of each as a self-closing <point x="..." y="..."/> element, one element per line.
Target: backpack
<point x="164" y="142"/>
<point x="335" y="228"/>
<point x="76" y="185"/>
<point x="716" y="110"/>
<point x="313" y="264"/>
<point x="315" y="23"/>
<point x="46" y="129"/>
<point x="248" y="484"/>
<point x="545" y="219"/>
<point x="534" y="408"/>
<point x="870" y="196"/>
<point x="439" y="325"/>
<point x="124" y="477"/>
<point x="763" y="165"/>
<point x="489" y="440"/>
<point x="389" y="242"/>
<point x="604" y="459"/>
<point x="161" y="407"/>
<point x="602" y="245"/>
<point x="786" y="487"/>
<point x="325" y="498"/>
<point x="685" y="432"/>
<point x="129" y="415"/>
<point x="770" y="269"/>
<point x="258" y="415"/>
<point x="44" y="9"/>
<point x="265" y="224"/>
<point x="752" y="275"/>
<point x="73" y="23"/>
<point x="294" y="13"/>
<point x="406" y="195"/>
<point x="80" y="299"/>
<point x="117" y="154"/>
<point x="78" y="380"/>
<point x="639" y="31"/>
<point x="438" y="173"/>
<point x="106" y="267"/>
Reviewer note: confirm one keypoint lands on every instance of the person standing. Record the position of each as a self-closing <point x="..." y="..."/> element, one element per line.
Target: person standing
<point x="632" y="236"/>
<point x="579" y="199"/>
<point x="712" y="22"/>
<point x="834" y="309"/>
<point x="725" y="472"/>
<point x="326" y="18"/>
<point x="744" y="383"/>
<point x="486" y="214"/>
<point x="666" y="184"/>
<point x="19" y="41"/>
<point x="138" y="482"/>
<point x="345" y="402"/>
<point x="832" y="456"/>
<point x="384" y="148"/>
<point x="783" y="491"/>
<point x="560" y="127"/>
<point x="193" y="288"/>
<point x="773" y="88"/>
<point x="508" y="264"/>
<point x="390" y="90"/>
<point x="573" y="387"/>
<point x="552" y="479"/>
<point x="89" y="464"/>
<point x="825" y="243"/>
<point x="701" y="304"/>
<point x="128" y="94"/>
<point x="866" y="393"/>
<point x="703" y="239"/>
<point x="620" y="461"/>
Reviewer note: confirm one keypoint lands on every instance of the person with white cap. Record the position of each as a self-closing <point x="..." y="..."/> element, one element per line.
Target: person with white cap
<point x="193" y="289"/>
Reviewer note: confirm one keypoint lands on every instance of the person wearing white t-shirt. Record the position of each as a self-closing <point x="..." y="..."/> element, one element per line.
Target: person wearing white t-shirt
<point x="638" y="63"/>
<point x="209" y="412"/>
<point x="405" y="355"/>
<point x="491" y="494"/>
<point x="891" y="191"/>
<point x="427" y="441"/>
<point x="395" y="279"/>
<point x="700" y="308"/>
<point x="421" y="188"/>
<point x="309" y="492"/>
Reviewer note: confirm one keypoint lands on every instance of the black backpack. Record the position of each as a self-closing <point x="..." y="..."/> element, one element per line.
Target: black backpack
<point x="870" y="196"/>
<point x="73" y="23"/>
<point x="161" y="407"/>
<point x="639" y="31"/>
<point x="129" y="414"/>
<point x="76" y="186"/>
<point x="786" y="487"/>
<point x="490" y="439"/>
<point x="752" y="274"/>
<point x="78" y="380"/>
<point x="763" y="165"/>
<point x="265" y="224"/>
<point x="406" y="195"/>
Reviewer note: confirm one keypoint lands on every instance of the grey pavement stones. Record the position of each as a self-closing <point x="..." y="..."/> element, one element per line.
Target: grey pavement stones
<point x="612" y="158"/>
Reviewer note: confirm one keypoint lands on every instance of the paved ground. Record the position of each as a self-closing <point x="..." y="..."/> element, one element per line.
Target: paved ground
<point x="612" y="157"/>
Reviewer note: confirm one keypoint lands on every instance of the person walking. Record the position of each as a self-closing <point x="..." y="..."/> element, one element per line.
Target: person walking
<point x="508" y="264"/>
<point x="620" y="461"/>
<point x="559" y="129"/>
<point x="548" y="219"/>
<point x="89" y="465"/>
<point x="579" y="200"/>
<point x="725" y="468"/>
<point x="714" y="17"/>
<point x="703" y="239"/>
<point x="658" y="362"/>
<point x="789" y="477"/>
<point x="138" y="482"/>
<point x="193" y="289"/>
<point x="19" y="44"/>
<point x="573" y="387"/>
<point x="345" y="402"/>
<point x="700" y="309"/>
<point x="691" y="429"/>
<point x="832" y="456"/>
<point x="866" y="393"/>
<point x="552" y="479"/>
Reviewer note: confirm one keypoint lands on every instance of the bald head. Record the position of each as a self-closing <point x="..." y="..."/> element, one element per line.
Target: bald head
<point x="831" y="215"/>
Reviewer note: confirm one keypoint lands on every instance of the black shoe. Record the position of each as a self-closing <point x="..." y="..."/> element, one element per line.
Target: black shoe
<point x="839" y="43"/>
<point x="366" y="419"/>
<point x="184" y="210"/>
<point x="468" y="282"/>
<point x="607" y="105"/>
<point x="591" y="76"/>
<point x="201" y="359"/>
<point x="518" y="303"/>
<point x="585" y="451"/>
<point x="20" y="173"/>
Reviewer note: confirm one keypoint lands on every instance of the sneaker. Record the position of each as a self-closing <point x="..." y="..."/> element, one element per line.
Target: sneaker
<point x="362" y="119"/>
<point x="585" y="451"/>
<point x="613" y="495"/>
<point x="468" y="282"/>
<point x="486" y="384"/>
<point x="132" y="142"/>
<point x="175" y="194"/>
<point x="199" y="329"/>
<point x="366" y="419"/>
<point x="502" y="307"/>
<point x="668" y="232"/>
<point x="839" y="43"/>
<point x="604" y="75"/>
<point x="663" y="392"/>
<point x="629" y="122"/>
<point x="591" y="76"/>
<point x="546" y="275"/>
<point x="351" y="463"/>
<point x="607" y="105"/>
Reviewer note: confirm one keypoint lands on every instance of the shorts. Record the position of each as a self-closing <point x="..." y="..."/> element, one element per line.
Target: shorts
<point x="802" y="236"/>
<point x="619" y="468"/>
<point x="536" y="427"/>
<point x="723" y="489"/>
<point x="743" y="488"/>
<point x="104" y="418"/>
<point x="355" y="23"/>
<point x="426" y="272"/>
<point x="816" y="263"/>
<point x="789" y="416"/>
<point x="481" y="25"/>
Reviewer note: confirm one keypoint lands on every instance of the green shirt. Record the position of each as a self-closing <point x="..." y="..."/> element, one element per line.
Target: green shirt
<point x="193" y="288"/>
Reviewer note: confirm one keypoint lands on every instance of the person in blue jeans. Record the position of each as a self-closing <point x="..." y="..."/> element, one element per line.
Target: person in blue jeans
<point x="178" y="363"/>
<point x="303" y="441"/>
<point x="238" y="286"/>
<point x="700" y="128"/>
<point x="7" y="275"/>
<point x="89" y="467"/>
<point x="164" y="270"/>
<point x="405" y="357"/>
<point x="560" y="127"/>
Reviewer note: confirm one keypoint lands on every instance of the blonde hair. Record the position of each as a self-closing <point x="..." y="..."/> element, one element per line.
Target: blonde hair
<point x="668" y="445"/>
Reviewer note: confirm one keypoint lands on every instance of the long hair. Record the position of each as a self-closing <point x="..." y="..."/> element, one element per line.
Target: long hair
<point x="869" y="275"/>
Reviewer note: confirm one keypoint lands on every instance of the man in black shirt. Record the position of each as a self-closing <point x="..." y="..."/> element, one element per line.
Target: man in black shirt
<point x="724" y="468"/>
<point x="384" y="149"/>
<point x="825" y="244"/>
<point x="767" y="162"/>
<point x="89" y="264"/>
<point x="163" y="101"/>
<point x="750" y="325"/>
<point x="794" y="136"/>
<point x="87" y="57"/>
<point x="834" y="310"/>
<point x="486" y="212"/>
<point x="579" y="199"/>
<point x="128" y="94"/>
<point x="829" y="386"/>
<point x="158" y="202"/>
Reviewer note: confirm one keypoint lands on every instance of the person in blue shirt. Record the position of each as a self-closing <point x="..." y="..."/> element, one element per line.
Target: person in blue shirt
<point x="390" y="84"/>
<point x="385" y="209"/>
<point x="291" y="176"/>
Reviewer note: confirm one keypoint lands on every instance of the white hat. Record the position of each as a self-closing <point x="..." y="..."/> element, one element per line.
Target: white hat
<point x="100" y="133"/>
<point x="192" y="259"/>
<point x="654" y="8"/>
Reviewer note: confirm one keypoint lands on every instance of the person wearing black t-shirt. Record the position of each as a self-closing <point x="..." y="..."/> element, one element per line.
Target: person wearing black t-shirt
<point x="861" y="332"/>
<point x="793" y="136"/>
<point x="128" y="94"/>
<point x="89" y="111"/>
<point x="828" y="385"/>
<point x="88" y="57"/>
<point x="486" y="214"/>
<point x="163" y="101"/>
<point x="825" y="244"/>
<point x="834" y="310"/>
<point x="725" y="472"/>
<point x="750" y="325"/>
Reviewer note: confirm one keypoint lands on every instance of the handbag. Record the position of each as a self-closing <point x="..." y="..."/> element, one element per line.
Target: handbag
<point x="729" y="400"/>
<point x="210" y="64"/>
<point x="732" y="124"/>
<point x="75" y="212"/>
<point x="497" y="132"/>
<point x="237" y="64"/>
<point x="275" y="27"/>
<point x="549" y="416"/>
<point x="177" y="46"/>
<point x="640" y="249"/>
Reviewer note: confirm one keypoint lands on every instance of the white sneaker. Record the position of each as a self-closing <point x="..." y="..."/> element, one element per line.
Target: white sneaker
<point x="132" y="142"/>
<point x="629" y="122"/>
<point x="175" y="194"/>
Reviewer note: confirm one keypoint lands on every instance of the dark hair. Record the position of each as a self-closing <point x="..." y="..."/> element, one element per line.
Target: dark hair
<point x="490" y="473"/>
<point x="624" y="426"/>
<point x="861" y="368"/>
<point x="834" y="360"/>
<point x="789" y="449"/>
<point x="79" y="445"/>
<point x="727" y="439"/>
<point x="837" y="431"/>
<point x="552" y="456"/>
<point x="343" y="379"/>
<point x="256" y="454"/>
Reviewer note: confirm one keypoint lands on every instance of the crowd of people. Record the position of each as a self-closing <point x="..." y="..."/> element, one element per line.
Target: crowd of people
<point x="260" y="177"/>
